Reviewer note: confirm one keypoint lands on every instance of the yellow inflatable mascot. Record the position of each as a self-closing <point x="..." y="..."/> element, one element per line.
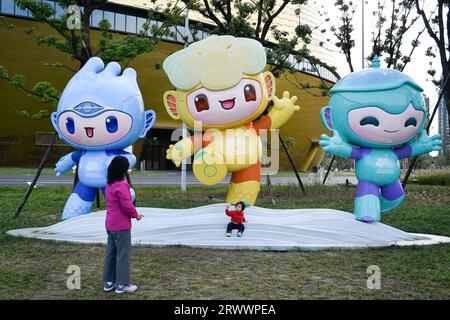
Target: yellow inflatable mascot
<point x="222" y="91"/>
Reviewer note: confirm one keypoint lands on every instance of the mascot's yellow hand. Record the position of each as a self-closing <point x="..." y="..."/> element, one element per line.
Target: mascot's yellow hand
<point x="286" y="103"/>
<point x="179" y="151"/>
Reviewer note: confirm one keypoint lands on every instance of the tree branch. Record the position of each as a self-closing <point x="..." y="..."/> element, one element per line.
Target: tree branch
<point x="259" y="18"/>
<point x="440" y="45"/>
<point x="210" y="14"/>
<point x="31" y="92"/>
<point x="271" y="17"/>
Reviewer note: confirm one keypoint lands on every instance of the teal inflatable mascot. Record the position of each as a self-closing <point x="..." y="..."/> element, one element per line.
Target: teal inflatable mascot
<point x="377" y="117"/>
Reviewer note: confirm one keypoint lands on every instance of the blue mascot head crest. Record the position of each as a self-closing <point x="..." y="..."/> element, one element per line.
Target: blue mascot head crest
<point x="376" y="107"/>
<point x="102" y="109"/>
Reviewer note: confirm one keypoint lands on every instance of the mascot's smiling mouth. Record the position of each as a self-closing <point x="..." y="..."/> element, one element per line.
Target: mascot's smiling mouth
<point x="228" y="104"/>
<point x="89" y="131"/>
<point x="395" y="131"/>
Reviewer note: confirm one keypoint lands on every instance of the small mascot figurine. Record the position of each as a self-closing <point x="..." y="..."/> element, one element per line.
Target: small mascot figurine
<point x="221" y="90"/>
<point x="100" y="113"/>
<point x="377" y="117"/>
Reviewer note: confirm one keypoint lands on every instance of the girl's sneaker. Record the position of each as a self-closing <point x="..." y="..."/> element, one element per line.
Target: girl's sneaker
<point x="239" y="234"/>
<point x="126" y="288"/>
<point x="228" y="234"/>
<point x="109" y="286"/>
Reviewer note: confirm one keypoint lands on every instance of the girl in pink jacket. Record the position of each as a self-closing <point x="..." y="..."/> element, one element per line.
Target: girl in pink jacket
<point x="119" y="211"/>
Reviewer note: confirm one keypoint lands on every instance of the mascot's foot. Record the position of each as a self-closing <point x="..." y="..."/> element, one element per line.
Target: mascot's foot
<point x="243" y="191"/>
<point x="75" y="207"/>
<point x="367" y="208"/>
<point x="387" y="205"/>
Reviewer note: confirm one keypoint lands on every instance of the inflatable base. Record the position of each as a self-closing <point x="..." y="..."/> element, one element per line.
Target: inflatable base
<point x="266" y="229"/>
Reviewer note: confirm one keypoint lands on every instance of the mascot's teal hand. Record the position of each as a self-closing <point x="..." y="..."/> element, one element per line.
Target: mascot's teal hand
<point x="335" y="145"/>
<point x="426" y="144"/>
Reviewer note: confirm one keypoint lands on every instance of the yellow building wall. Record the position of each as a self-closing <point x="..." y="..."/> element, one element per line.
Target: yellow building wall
<point x="20" y="54"/>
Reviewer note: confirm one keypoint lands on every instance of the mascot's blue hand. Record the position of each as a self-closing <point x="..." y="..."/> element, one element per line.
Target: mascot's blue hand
<point x="426" y="144"/>
<point x="335" y="145"/>
<point x="64" y="164"/>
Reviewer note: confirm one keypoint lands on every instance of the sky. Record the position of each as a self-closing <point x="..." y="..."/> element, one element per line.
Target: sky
<point x="416" y="69"/>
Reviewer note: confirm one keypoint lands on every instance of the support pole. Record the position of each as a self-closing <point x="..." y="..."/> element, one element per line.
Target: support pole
<point x="269" y="186"/>
<point x="362" y="34"/>
<point x="183" y="163"/>
<point x="291" y="161"/>
<point x="328" y="170"/>
<point x="36" y="177"/>
<point x="98" y="198"/>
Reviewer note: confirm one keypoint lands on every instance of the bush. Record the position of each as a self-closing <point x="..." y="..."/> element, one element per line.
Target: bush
<point x="435" y="179"/>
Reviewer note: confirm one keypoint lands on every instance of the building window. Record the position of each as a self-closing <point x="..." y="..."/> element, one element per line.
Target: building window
<point x="20" y="12"/>
<point x="108" y="15"/>
<point x="120" y="22"/>
<point x="96" y="17"/>
<point x="8" y="6"/>
<point x="140" y="24"/>
<point x="60" y="11"/>
<point x="131" y="24"/>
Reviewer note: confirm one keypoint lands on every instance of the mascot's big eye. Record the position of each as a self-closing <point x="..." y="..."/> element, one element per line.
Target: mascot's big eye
<point x="411" y="122"/>
<point x="369" y="120"/>
<point x="111" y="124"/>
<point x="249" y="93"/>
<point x="201" y="102"/>
<point x="70" y="125"/>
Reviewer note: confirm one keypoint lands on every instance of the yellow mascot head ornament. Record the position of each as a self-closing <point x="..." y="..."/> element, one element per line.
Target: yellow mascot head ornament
<point x="220" y="82"/>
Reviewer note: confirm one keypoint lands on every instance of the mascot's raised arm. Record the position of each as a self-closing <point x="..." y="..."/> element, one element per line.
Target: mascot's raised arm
<point x="100" y="113"/>
<point x="221" y="90"/>
<point x="377" y="117"/>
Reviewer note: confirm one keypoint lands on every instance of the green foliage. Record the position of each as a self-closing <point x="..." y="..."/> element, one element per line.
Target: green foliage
<point x="45" y="91"/>
<point x="3" y="72"/>
<point x="42" y="91"/>
<point x="41" y="11"/>
<point x="24" y="114"/>
<point x="42" y="114"/>
<point x="435" y="180"/>
<point x="289" y="142"/>
<point x="17" y="81"/>
<point x="127" y="48"/>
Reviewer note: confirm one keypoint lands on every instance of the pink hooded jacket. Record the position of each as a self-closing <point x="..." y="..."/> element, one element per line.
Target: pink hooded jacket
<point x="119" y="206"/>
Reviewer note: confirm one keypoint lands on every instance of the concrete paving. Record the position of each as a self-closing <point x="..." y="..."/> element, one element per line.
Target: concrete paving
<point x="266" y="229"/>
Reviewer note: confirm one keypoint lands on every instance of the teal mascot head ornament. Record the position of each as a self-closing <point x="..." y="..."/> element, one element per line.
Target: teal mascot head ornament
<point x="377" y="117"/>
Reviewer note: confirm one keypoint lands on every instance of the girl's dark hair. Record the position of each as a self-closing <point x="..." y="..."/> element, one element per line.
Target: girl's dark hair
<point x="117" y="169"/>
<point x="241" y="203"/>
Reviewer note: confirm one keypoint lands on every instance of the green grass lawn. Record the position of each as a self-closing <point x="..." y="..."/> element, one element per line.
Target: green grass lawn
<point x="34" y="269"/>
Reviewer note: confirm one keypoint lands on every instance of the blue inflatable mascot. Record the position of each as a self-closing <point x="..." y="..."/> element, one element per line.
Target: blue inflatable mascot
<point x="100" y="113"/>
<point x="377" y="117"/>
